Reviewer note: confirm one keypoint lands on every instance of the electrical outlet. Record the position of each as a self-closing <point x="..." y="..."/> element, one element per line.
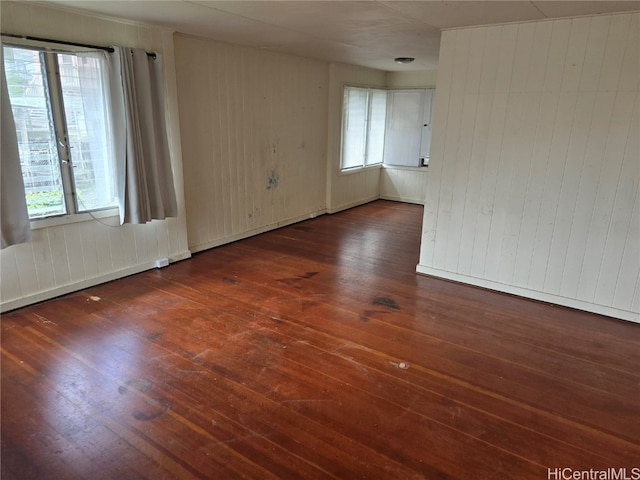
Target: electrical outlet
<point x="162" y="262"/>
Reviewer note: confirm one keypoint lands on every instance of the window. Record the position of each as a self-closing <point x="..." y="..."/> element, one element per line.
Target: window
<point x="408" y="134"/>
<point x="363" y="125"/>
<point x="59" y="107"/>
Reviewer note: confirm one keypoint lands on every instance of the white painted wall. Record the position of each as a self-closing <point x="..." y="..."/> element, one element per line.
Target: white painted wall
<point x="345" y="190"/>
<point x="534" y="172"/>
<point x="404" y="184"/>
<point x="418" y="79"/>
<point x="71" y="256"/>
<point x="254" y="135"/>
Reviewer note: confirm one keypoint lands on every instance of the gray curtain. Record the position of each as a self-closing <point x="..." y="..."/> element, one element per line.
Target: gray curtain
<point x="145" y="179"/>
<point x="14" y="217"/>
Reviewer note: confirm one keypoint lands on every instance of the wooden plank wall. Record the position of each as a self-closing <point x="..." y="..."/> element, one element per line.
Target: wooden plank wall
<point x="254" y="135"/>
<point x="345" y="190"/>
<point x="533" y="181"/>
<point x="404" y="184"/>
<point x="65" y="256"/>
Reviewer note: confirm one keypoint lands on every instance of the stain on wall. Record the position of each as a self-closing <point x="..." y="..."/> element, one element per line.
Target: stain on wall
<point x="273" y="179"/>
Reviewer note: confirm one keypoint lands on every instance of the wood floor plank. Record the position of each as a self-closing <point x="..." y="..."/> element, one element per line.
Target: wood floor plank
<point x="507" y="378"/>
<point x="279" y="357"/>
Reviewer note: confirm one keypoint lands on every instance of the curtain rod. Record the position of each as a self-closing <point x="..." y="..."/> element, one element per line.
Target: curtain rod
<point x="62" y="42"/>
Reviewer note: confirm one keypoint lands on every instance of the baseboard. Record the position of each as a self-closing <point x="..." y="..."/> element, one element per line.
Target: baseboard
<point x="402" y="199"/>
<point x="256" y="231"/>
<point x="179" y="257"/>
<point x="353" y="204"/>
<point x="87" y="283"/>
<point x="532" y="294"/>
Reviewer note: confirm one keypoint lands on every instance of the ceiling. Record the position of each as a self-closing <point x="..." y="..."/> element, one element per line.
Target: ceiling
<point x="369" y="33"/>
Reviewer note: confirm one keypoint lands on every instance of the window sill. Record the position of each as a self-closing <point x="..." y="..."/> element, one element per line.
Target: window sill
<point x="112" y="214"/>
<point x="349" y="171"/>
<point x="405" y="167"/>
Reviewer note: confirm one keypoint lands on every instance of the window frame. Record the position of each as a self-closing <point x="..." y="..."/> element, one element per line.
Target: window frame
<point x="367" y="127"/>
<point x="54" y="95"/>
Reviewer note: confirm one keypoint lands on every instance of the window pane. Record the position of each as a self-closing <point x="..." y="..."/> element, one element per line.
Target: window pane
<point x="354" y="127"/>
<point x="377" y="119"/>
<point x="85" y="110"/>
<point x="34" y="127"/>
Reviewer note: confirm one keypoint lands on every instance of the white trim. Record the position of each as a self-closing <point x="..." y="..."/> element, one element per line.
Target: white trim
<point x="90" y="282"/>
<point x="421" y="169"/>
<point x="355" y="203"/>
<point x="97" y="215"/>
<point x="533" y="294"/>
<point x="402" y="199"/>
<point x="349" y="171"/>
<point x="546" y="19"/>
<point x="256" y="231"/>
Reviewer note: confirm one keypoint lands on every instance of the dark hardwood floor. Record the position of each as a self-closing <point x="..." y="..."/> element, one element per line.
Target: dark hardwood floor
<point x="312" y="352"/>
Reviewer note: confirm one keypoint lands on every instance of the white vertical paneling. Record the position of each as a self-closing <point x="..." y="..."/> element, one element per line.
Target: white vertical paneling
<point x="257" y="110"/>
<point x="626" y="282"/>
<point x="117" y="247"/>
<point x="147" y="242"/>
<point x="89" y="249"/>
<point x="546" y="188"/>
<point x="19" y="14"/>
<point x="347" y="190"/>
<point x="465" y="143"/>
<point x="223" y="136"/>
<point x="73" y="244"/>
<point x="251" y="124"/>
<point x="248" y="147"/>
<point x="68" y="256"/>
<point x="630" y="72"/>
<point x="483" y="50"/>
<point x="537" y="130"/>
<point x="571" y="160"/>
<point x="404" y="184"/>
<point x="59" y="255"/>
<point x="235" y="134"/>
<point x="586" y="195"/>
<point x="615" y="53"/>
<point x="551" y="189"/>
<point x="282" y="124"/>
<point x="519" y="136"/>
<point x="594" y="55"/>
<point x="609" y="175"/>
<point x="535" y="187"/>
<point x="550" y="205"/>
<point x="500" y="245"/>
<point x="473" y="186"/>
<point x="629" y="204"/>
<point x="27" y="273"/>
<point x="488" y="232"/>
<point x="621" y="221"/>
<point x="456" y="104"/>
<point x="9" y="277"/>
<point x="635" y="302"/>
<point x="441" y="112"/>
<point x="198" y="68"/>
<point x="42" y="258"/>
<point x="130" y="246"/>
<point x="208" y="169"/>
<point x="102" y="247"/>
<point x="484" y="152"/>
<point x="565" y="211"/>
<point x="162" y="240"/>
